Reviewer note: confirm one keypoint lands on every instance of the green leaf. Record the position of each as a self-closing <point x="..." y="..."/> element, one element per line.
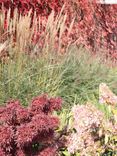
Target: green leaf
<point x="66" y="153"/>
<point x="77" y="154"/>
<point x="106" y="139"/>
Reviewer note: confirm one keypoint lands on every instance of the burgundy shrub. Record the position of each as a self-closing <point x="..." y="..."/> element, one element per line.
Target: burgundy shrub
<point x="29" y="131"/>
<point x="94" y="25"/>
<point x="42" y="7"/>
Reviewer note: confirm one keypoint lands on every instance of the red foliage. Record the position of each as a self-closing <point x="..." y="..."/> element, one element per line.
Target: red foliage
<point x="22" y="128"/>
<point x="50" y="151"/>
<point x="94" y="26"/>
<point x="44" y="105"/>
<point x="42" y="7"/>
<point x="2" y="152"/>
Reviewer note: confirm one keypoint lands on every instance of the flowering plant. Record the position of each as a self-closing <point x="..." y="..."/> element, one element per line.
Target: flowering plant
<point x="93" y="134"/>
<point x="29" y="131"/>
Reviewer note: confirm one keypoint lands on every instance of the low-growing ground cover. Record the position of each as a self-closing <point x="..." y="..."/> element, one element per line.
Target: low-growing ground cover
<point x="35" y="131"/>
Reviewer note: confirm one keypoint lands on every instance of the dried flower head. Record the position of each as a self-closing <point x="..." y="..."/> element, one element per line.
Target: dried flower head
<point x="106" y="96"/>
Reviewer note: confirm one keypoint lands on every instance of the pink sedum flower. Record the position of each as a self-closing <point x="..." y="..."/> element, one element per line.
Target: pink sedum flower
<point x="86" y="117"/>
<point x="87" y="121"/>
<point x="50" y="151"/>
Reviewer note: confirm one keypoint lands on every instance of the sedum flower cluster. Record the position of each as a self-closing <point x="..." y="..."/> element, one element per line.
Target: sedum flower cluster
<point x="91" y="131"/>
<point x="29" y="131"/>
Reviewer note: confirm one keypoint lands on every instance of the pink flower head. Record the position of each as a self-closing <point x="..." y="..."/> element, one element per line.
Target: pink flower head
<point x="86" y="117"/>
<point x="55" y="103"/>
<point x="23" y="115"/>
<point x="87" y="121"/>
<point x="2" y="153"/>
<point x="20" y="152"/>
<point x="43" y="104"/>
<point x="50" y="151"/>
<point x="39" y="103"/>
<point x="6" y="137"/>
<point x="25" y="134"/>
<point x="13" y="104"/>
